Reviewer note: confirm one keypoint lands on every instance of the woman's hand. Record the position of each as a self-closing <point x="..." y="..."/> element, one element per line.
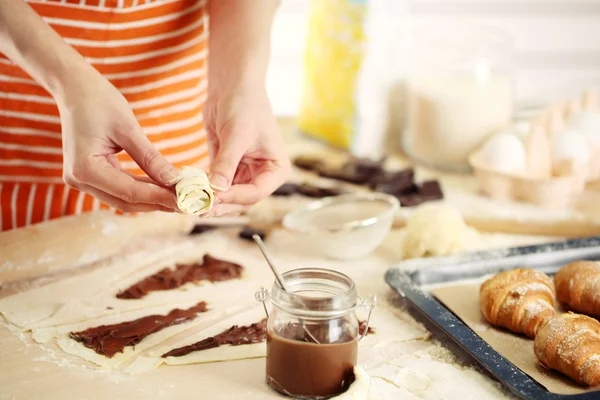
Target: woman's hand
<point x="97" y="123"/>
<point x="248" y="157"/>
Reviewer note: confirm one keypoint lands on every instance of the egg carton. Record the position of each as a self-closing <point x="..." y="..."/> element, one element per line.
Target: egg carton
<point x="552" y="192"/>
<point x="542" y="181"/>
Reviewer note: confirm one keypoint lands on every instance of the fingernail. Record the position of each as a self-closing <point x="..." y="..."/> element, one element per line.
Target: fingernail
<point x="218" y="182"/>
<point x="170" y="175"/>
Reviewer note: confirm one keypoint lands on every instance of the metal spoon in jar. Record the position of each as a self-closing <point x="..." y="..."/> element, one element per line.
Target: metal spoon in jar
<point x="280" y="280"/>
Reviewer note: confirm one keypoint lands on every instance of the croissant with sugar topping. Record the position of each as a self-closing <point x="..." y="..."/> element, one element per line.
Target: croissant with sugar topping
<point x="578" y="286"/>
<point x="570" y="343"/>
<point x="519" y="300"/>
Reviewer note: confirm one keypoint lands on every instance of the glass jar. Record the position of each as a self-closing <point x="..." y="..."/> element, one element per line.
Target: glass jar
<point x="460" y="91"/>
<point x="313" y="333"/>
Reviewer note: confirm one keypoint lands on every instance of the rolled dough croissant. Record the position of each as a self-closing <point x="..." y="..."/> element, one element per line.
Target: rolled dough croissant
<point x="194" y="194"/>
<point x="519" y="300"/>
<point x="578" y="286"/>
<point x="570" y="343"/>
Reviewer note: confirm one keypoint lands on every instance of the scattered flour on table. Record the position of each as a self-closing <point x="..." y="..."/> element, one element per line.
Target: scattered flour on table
<point x="109" y="228"/>
<point x="88" y="257"/>
<point x="7" y="266"/>
<point x="45" y="258"/>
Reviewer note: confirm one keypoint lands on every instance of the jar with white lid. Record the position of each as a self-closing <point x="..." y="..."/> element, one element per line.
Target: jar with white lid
<point x="460" y="91"/>
<point x="313" y="333"/>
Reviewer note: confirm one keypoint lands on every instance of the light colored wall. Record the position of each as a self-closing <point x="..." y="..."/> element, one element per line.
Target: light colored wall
<point x="557" y="43"/>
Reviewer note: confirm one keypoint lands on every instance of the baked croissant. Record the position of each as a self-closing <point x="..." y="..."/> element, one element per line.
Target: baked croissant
<point x="519" y="300"/>
<point x="578" y="286"/>
<point x="570" y="343"/>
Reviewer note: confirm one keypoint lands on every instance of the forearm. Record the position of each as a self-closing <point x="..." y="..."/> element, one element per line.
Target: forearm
<point x="239" y="42"/>
<point x="35" y="47"/>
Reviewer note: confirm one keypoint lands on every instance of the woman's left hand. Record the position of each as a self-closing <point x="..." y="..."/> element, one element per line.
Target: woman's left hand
<point x="248" y="158"/>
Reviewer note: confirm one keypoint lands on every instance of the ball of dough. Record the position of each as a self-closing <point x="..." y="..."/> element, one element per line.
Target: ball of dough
<point x="434" y="229"/>
<point x="504" y="152"/>
<point x="588" y="123"/>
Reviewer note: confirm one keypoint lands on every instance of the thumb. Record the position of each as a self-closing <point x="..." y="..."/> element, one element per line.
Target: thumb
<point x="224" y="166"/>
<point x="149" y="159"/>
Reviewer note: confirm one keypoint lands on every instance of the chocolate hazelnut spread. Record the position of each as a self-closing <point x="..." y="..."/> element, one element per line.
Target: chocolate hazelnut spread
<point x="109" y="340"/>
<point x="234" y="336"/>
<point x="297" y="366"/>
<point x="237" y="336"/>
<point x="211" y="269"/>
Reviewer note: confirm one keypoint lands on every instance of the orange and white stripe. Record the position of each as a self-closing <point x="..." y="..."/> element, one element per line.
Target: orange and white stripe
<point x="154" y="51"/>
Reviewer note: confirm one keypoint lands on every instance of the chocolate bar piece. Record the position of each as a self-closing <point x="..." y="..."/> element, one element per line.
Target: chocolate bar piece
<point x="248" y="232"/>
<point x="396" y="182"/>
<point x="307" y="190"/>
<point x="428" y="191"/>
<point x="316" y="191"/>
<point x="367" y="166"/>
<point x="359" y="171"/>
<point x="287" y="189"/>
<point x="201" y="228"/>
<point x="309" y="163"/>
<point x="431" y="189"/>
<point x="346" y="173"/>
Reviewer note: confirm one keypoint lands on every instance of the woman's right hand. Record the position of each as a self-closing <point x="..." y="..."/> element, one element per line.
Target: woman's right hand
<point x="97" y="123"/>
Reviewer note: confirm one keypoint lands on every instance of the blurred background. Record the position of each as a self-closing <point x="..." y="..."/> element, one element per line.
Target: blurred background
<point x="556" y="43"/>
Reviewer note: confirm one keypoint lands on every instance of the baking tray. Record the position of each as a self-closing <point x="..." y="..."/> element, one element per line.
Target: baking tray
<point x="410" y="277"/>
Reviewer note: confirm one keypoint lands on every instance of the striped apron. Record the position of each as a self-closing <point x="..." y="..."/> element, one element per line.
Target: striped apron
<point x="154" y="51"/>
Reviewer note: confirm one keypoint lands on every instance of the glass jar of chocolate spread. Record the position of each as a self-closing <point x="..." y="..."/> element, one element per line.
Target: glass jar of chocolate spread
<point x="313" y="333"/>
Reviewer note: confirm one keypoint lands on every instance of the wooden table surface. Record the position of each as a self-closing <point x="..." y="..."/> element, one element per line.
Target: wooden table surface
<point x="29" y="372"/>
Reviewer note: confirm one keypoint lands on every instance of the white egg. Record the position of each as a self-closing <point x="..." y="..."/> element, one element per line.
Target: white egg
<point x="588" y="123"/>
<point x="570" y="145"/>
<point x="504" y="152"/>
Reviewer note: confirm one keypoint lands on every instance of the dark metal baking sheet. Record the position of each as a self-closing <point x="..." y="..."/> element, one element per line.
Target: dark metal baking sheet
<point x="408" y="278"/>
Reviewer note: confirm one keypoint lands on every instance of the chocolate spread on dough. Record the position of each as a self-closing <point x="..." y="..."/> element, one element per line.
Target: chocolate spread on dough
<point x="211" y="269"/>
<point x="109" y="340"/>
<point x="235" y="336"/>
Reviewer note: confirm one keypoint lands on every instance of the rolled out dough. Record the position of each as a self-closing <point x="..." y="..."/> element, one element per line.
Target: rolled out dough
<point x="194" y="194"/>
<point x="32" y="307"/>
<point x="93" y="295"/>
<point x="223" y="299"/>
<point x="153" y="359"/>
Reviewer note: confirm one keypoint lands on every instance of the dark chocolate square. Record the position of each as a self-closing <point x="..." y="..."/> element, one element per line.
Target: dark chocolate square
<point x="431" y="189"/>
<point x="316" y="191"/>
<point x="287" y="189"/>
<point x="201" y="228"/>
<point x="309" y="163"/>
<point x="248" y="232"/>
<point x="396" y="182"/>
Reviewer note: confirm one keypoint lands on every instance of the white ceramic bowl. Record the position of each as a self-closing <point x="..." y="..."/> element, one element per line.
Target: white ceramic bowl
<point x="345" y="226"/>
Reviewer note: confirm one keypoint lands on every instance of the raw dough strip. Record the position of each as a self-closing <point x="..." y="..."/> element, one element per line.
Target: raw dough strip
<point x="229" y="301"/>
<point x="70" y="301"/>
<point x="153" y="358"/>
<point x="29" y="308"/>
